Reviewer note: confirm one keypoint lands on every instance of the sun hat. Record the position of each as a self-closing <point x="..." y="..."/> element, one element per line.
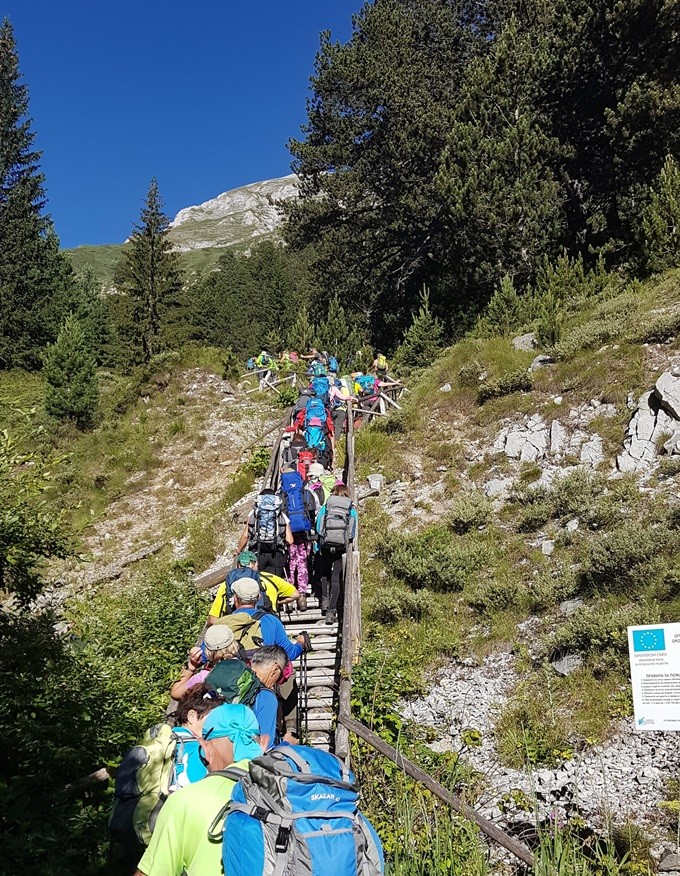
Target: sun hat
<point x="316" y="469"/>
<point x="218" y="636"/>
<point x="247" y="589"/>
<point x="245" y="558"/>
<point x="237" y="723"/>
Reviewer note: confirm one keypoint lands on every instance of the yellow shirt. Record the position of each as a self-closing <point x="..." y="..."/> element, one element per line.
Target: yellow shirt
<point x="275" y="588"/>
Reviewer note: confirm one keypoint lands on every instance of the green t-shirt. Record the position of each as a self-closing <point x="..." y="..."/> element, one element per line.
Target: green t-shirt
<point x="180" y="841"/>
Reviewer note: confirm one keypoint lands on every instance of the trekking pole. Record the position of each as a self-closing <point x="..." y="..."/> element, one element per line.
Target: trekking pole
<point x="303" y="693"/>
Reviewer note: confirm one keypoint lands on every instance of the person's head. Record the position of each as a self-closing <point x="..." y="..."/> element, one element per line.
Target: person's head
<point x="267" y="491"/>
<point x="340" y="490"/>
<point x="229" y="734"/>
<point x="246" y="592"/>
<point x="268" y="664"/>
<point x="247" y="560"/>
<point x="192" y="709"/>
<point x="316" y="470"/>
<point x="219" y="643"/>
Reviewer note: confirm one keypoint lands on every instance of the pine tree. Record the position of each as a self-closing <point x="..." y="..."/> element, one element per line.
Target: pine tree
<point x="150" y="275"/>
<point x="423" y="340"/>
<point x="70" y="376"/>
<point x="35" y="278"/>
<point x="505" y="311"/>
<point x="660" y="223"/>
<point x="337" y="334"/>
<point x="302" y="334"/>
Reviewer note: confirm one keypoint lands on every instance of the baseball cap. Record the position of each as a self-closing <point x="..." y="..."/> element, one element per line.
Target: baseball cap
<point x="218" y="636"/>
<point x="245" y="558"/>
<point x="247" y="589"/>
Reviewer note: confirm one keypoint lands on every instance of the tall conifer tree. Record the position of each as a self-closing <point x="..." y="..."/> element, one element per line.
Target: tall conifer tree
<point x="151" y="275"/>
<point x="35" y="277"/>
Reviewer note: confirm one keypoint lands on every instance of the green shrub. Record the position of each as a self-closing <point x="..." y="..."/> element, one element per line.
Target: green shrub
<point x="71" y="390"/>
<point x="550" y="587"/>
<point x="600" y="630"/>
<point x="615" y="561"/>
<point x="505" y="312"/>
<point x="231" y="365"/>
<point x="550" y="320"/>
<point x="656" y="328"/>
<point x="391" y="604"/>
<point x="259" y="460"/>
<point x="511" y="381"/>
<point x="434" y="560"/>
<point x="496" y="594"/>
<point x="287" y="397"/>
<point x="469" y="374"/>
<point x="534" y="516"/>
<point x="468" y="511"/>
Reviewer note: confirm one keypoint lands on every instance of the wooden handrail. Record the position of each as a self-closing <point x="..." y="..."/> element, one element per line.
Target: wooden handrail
<point x="487" y="827"/>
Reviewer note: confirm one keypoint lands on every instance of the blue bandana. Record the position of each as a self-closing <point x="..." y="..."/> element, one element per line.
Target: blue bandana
<point x="239" y="724"/>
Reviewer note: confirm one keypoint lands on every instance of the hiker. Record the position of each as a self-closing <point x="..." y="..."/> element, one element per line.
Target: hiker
<point x="180" y="842"/>
<point x="165" y="760"/>
<point x="190" y="715"/>
<point x="301" y="507"/>
<point x="265" y="366"/>
<point x="267" y="533"/>
<point x="268" y="664"/>
<point x="336" y="524"/>
<point x="340" y="393"/>
<point x="379" y="366"/>
<point x="254" y="628"/>
<point x="275" y="591"/>
<point x="218" y="644"/>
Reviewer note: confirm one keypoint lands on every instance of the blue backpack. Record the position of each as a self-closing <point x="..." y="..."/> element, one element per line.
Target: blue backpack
<point x="315" y="438"/>
<point x="333" y="364"/>
<point x="315" y="408"/>
<point x="294" y="504"/>
<point x="297" y="811"/>
<point x="317" y="369"/>
<point x="321" y="387"/>
<point x="250" y="364"/>
<point x="366" y="384"/>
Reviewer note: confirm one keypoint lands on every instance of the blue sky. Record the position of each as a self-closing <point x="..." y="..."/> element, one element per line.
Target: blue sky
<point x="203" y="95"/>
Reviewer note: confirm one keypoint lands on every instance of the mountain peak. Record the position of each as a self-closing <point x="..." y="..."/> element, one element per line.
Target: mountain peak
<point x="237" y="216"/>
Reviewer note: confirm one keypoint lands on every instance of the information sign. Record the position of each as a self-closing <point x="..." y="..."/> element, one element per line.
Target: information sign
<point x="655" y="673"/>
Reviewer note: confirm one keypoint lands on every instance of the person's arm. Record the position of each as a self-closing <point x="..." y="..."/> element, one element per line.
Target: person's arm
<point x="243" y="541"/>
<point x="266" y="708"/>
<point x="289" y="535"/>
<point x="194" y="663"/>
<point x="287" y="591"/>
<point x="277" y="636"/>
<point x="354" y="520"/>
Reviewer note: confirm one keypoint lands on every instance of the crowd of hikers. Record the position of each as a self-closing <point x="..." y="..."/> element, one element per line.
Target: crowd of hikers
<point x="223" y="786"/>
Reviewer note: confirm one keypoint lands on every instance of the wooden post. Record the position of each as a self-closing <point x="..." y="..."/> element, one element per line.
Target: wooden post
<point x="487" y="827"/>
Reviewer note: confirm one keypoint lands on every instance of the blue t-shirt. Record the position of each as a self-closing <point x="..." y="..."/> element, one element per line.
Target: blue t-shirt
<point x="266" y="707"/>
<point x="274" y="633"/>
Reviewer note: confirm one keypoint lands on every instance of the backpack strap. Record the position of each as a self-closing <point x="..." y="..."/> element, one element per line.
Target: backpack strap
<point x="235" y="774"/>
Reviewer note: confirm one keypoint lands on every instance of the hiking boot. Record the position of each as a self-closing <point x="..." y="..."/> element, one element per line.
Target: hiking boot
<point x="302" y="602"/>
<point x="331" y="617"/>
<point x="324" y="604"/>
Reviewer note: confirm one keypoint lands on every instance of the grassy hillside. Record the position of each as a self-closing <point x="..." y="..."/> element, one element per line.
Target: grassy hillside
<point x="473" y="553"/>
<point x="102" y="260"/>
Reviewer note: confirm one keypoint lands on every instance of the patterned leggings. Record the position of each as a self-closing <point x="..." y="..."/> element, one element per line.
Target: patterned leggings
<point x="297" y="563"/>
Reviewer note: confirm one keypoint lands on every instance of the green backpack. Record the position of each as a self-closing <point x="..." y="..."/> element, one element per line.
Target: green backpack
<point x="247" y="630"/>
<point x="234" y="681"/>
<point x="143" y="782"/>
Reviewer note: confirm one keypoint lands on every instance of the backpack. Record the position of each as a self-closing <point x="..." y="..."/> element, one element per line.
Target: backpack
<point x="315" y="436"/>
<point x="143" y="782"/>
<point x="304" y="459"/>
<point x="266" y="530"/>
<point x="292" y="485"/>
<point x="247" y="631"/>
<point x="264" y="602"/>
<point x="303" y="398"/>
<point x="297" y="811"/>
<point x="321" y="387"/>
<point x="235" y="681"/>
<point x="336" y="523"/>
<point x="250" y="364"/>
<point x="317" y="369"/>
<point x="365" y="385"/>
<point x="381" y="363"/>
<point x="333" y="364"/>
<point x="314" y="408"/>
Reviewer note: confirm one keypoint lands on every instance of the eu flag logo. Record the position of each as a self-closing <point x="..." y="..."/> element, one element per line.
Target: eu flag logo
<point x="649" y="640"/>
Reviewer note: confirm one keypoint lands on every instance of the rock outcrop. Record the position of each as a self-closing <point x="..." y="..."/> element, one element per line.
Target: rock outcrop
<point x="655" y="425"/>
